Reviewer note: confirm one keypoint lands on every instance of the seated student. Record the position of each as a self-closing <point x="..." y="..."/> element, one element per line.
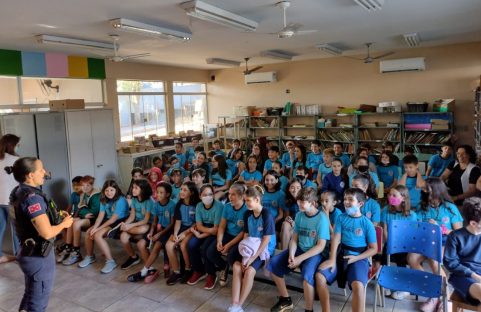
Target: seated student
<point x="398" y="208"/>
<point x="184" y="216"/>
<point x="328" y="205"/>
<point x="259" y="238"/>
<point x="207" y="218"/>
<point x="311" y="232"/>
<point x="439" y="162"/>
<point x="137" y="224"/>
<point x="179" y="153"/>
<point x="257" y="152"/>
<point x="251" y="176"/>
<point x="462" y="254"/>
<point x="273" y="155"/>
<point x="163" y="212"/>
<point x="229" y="233"/>
<point x="136" y="174"/>
<point x="221" y="177"/>
<point x="408" y="151"/>
<point x="288" y="156"/>
<point x="300" y="159"/>
<point x="371" y="208"/>
<point x="370" y="157"/>
<point x="159" y="163"/>
<point x="274" y="198"/>
<point x="235" y="164"/>
<point x="235" y="145"/>
<point x="200" y="162"/>
<point x="436" y="208"/>
<point x="217" y="149"/>
<point x="302" y="174"/>
<point x="389" y="147"/>
<point x="361" y="166"/>
<point x="190" y="151"/>
<point x="174" y="164"/>
<point x="413" y="180"/>
<point x="155" y="177"/>
<point x="277" y="167"/>
<point x="361" y="152"/>
<point x="357" y="237"/>
<point x="198" y="177"/>
<point x="387" y="172"/>
<point x="336" y="181"/>
<point x="114" y="209"/>
<point x="84" y="217"/>
<point x="314" y="159"/>
<point x="339" y="153"/>
<point x="176" y="176"/>
<point x="293" y="191"/>
<point x="325" y="167"/>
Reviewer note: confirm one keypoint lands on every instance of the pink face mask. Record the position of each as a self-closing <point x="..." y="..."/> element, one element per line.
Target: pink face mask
<point x="394" y="201"/>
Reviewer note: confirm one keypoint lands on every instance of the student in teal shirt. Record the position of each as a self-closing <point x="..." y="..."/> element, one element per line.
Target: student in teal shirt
<point x="251" y="176"/>
<point x="277" y="167"/>
<point x="220" y="177"/>
<point x="413" y="180"/>
<point x="439" y="162"/>
<point x="371" y="208"/>
<point x="314" y="159"/>
<point x="387" y="172"/>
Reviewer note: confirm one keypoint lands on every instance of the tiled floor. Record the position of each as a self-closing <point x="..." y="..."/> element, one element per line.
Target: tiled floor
<point x="88" y="290"/>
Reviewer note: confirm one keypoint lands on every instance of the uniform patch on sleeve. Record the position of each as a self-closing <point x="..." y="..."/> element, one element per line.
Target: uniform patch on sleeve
<point x="34" y="208"/>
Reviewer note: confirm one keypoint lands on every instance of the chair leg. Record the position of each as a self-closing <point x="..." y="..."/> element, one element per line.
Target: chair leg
<point x="382" y="297"/>
<point x="376" y="290"/>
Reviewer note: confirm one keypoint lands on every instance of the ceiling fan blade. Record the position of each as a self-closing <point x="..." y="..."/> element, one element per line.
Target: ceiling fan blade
<point x="135" y="56"/>
<point x="292" y="26"/>
<point x="250" y="71"/>
<point x="383" y="55"/>
<point x="306" y="32"/>
<point x="354" y="58"/>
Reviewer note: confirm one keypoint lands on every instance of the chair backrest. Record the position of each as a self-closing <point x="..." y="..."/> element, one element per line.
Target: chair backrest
<point x="379" y="238"/>
<point x="415" y="237"/>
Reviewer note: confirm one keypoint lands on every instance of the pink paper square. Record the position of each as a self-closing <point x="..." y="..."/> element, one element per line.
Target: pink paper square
<point x="57" y="65"/>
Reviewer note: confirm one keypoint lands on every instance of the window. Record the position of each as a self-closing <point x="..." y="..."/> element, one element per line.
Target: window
<point x="8" y="91"/>
<point x="141" y="108"/>
<point x="42" y="90"/>
<point x="190" y="105"/>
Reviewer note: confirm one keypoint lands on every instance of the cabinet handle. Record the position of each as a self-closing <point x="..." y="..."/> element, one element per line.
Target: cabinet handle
<point x="98" y="166"/>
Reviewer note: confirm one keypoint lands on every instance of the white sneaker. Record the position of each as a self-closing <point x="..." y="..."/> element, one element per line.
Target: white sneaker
<point x="88" y="260"/>
<point x="430" y="305"/>
<point x="235" y="308"/>
<point x="109" y="266"/>
<point x="399" y="295"/>
<point x="73" y="258"/>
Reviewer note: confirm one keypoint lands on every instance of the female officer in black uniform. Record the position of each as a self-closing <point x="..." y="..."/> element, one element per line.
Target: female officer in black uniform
<point x="35" y="232"/>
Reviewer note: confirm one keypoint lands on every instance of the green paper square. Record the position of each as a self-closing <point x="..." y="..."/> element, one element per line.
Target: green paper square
<point x="96" y="68"/>
<point x="11" y="63"/>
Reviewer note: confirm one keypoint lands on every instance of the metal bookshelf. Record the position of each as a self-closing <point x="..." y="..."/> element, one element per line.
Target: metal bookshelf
<point x="231" y="128"/>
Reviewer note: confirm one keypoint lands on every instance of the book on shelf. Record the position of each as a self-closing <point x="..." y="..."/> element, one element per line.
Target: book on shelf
<point x="392" y="135"/>
<point x="336" y="136"/>
<point x="427" y="138"/>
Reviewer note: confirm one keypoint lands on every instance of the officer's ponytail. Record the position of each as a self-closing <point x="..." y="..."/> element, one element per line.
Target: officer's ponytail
<point x="21" y="168"/>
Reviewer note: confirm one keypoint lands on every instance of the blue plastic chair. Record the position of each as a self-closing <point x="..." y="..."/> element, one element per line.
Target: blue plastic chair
<point x="413" y="237"/>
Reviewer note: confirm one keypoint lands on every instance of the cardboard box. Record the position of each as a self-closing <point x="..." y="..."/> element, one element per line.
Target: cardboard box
<point x="58" y="105"/>
<point x="443" y="105"/>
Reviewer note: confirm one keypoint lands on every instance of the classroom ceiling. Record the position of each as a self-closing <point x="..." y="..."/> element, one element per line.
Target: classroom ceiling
<point x="339" y="22"/>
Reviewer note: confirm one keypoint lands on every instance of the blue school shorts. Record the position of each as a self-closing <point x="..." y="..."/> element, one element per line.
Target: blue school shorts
<point x="278" y="265"/>
<point x="356" y="271"/>
<point x="461" y="284"/>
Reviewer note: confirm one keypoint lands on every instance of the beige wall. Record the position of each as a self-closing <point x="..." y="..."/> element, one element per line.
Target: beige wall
<point x="139" y="71"/>
<point x="452" y="72"/>
<point x="8" y="91"/>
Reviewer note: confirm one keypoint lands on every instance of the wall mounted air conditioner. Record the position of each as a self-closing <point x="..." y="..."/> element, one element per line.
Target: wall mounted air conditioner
<point x="402" y="65"/>
<point x="263" y="77"/>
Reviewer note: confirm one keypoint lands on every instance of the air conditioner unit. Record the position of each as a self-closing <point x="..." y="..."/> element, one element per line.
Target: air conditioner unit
<point x="263" y="77"/>
<point x="402" y="65"/>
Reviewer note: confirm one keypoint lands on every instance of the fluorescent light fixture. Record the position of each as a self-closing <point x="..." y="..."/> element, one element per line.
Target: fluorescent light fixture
<point x="150" y="30"/>
<point x="370" y="5"/>
<point x="277" y="54"/>
<point x="220" y="61"/>
<point x="329" y="49"/>
<point x="210" y="13"/>
<point x="75" y="42"/>
<point x="412" y="40"/>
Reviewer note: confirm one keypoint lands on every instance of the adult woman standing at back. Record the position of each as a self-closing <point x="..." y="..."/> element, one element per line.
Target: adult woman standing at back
<point x="33" y="224"/>
<point x="8" y="156"/>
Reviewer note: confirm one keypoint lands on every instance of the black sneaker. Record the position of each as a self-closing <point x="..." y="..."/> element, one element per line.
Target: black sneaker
<point x="136" y="277"/>
<point x="173" y="278"/>
<point x="130" y="262"/>
<point x="284" y="304"/>
<point x="186" y="276"/>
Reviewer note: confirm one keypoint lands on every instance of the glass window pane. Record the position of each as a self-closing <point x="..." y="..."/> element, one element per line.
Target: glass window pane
<point x="139" y="86"/>
<point x="189" y="112"/>
<point x="125" y="118"/>
<point x="155" y="119"/>
<point x="41" y="90"/>
<point x="137" y="115"/>
<point x="8" y="90"/>
<point x="189" y="87"/>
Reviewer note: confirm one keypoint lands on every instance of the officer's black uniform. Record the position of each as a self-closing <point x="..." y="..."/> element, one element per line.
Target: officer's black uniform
<point x="37" y="265"/>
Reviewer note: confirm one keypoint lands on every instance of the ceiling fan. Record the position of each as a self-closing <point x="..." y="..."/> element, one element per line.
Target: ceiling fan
<point x="290" y="29"/>
<point x="248" y="71"/>
<point x="116" y="57"/>
<point x="369" y="59"/>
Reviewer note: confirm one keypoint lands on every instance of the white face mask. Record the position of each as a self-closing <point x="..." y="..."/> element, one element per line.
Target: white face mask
<point x="207" y="200"/>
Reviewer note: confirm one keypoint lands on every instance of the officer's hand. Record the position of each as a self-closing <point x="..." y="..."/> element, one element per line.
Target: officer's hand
<point x="67" y="221"/>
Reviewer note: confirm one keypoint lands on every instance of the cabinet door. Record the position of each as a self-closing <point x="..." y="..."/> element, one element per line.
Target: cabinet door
<point x="80" y="149"/>
<point x="21" y="125"/>
<point x="103" y="142"/>
<point x="52" y="150"/>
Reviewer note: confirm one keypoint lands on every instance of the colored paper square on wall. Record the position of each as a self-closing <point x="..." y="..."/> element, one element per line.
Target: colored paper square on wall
<point x="96" y="68"/>
<point x="57" y="65"/>
<point x="77" y="67"/>
<point x="10" y="63"/>
<point x="33" y="64"/>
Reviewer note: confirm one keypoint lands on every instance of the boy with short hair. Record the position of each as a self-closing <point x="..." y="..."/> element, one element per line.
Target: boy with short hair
<point x="439" y="162"/>
<point x="462" y="254"/>
<point x="179" y="152"/>
<point x="314" y="158"/>
<point x="176" y="184"/>
<point x="235" y="146"/>
<point x="216" y="148"/>
<point x="157" y="162"/>
<point x="175" y="164"/>
<point x="413" y="180"/>
<point x="357" y="237"/>
<point x="273" y="154"/>
<point x="311" y="232"/>
<point x="302" y="174"/>
<point x="339" y="153"/>
<point x="190" y="152"/>
<point x="288" y="156"/>
<point x="326" y="166"/>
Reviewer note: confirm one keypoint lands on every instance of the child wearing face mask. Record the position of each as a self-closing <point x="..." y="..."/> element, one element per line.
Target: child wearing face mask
<point x="302" y="174"/>
<point x="361" y="166"/>
<point x="356" y="236"/>
<point x="388" y="172"/>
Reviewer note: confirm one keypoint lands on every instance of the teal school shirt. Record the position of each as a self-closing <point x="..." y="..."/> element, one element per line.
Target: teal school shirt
<point x="209" y="217"/>
<point x="311" y="229"/>
<point x="355" y="232"/>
